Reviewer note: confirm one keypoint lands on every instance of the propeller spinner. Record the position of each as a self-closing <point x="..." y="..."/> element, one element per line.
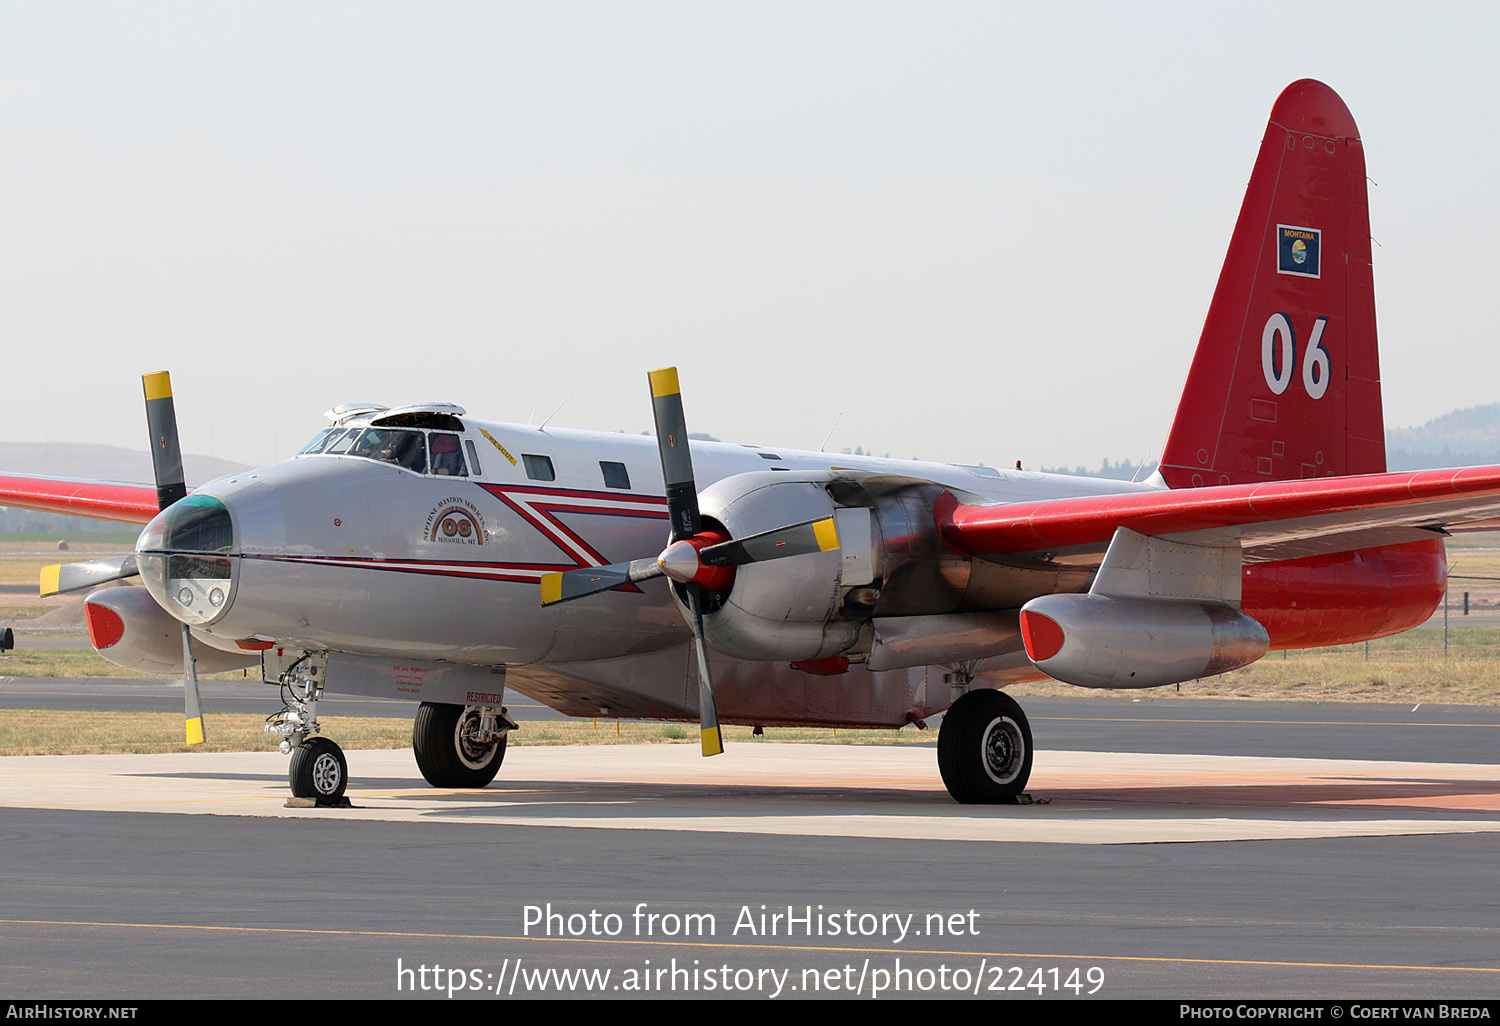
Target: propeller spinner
<point x="696" y="559"/>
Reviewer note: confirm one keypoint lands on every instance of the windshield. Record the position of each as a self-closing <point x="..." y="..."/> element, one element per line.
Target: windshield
<point x="407" y="448"/>
<point x="403" y="448"/>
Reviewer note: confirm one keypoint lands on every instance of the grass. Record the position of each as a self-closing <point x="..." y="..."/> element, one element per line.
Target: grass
<point x="76" y="662"/>
<point x="124" y="537"/>
<point x="22" y="612"/>
<point x="1408" y="667"/>
<point x="21" y="561"/>
<point x="51" y="732"/>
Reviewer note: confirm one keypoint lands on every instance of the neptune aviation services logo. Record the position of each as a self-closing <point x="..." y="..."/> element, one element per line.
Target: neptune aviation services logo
<point x="1298" y="250"/>
<point x="456" y="521"/>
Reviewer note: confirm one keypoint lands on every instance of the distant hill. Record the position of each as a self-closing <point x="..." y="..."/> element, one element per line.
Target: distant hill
<point x="1458" y="439"/>
<point x="1462" y="438"/>
<point x="94" y="462"/>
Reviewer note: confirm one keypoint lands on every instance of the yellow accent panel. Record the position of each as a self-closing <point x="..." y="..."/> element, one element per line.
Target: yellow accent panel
<point x="664" y="382"/>
<point x="713" y="742"/>
<point x="158" y="385"/>
<point x="50" y="575"/>
<point x="551" y="589"/>
<point x="195" y="731"/>
<point x="497" y="445"/>
<point x="827" y="534"/>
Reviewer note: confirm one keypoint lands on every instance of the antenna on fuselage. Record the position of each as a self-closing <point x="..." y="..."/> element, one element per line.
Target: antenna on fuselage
<point x="543" y="425"/>
<point x="830" y="431"/>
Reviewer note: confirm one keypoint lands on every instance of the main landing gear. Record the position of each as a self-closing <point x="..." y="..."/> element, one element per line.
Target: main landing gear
<point x="460" y="746"/>
<point x="984" y="748"/>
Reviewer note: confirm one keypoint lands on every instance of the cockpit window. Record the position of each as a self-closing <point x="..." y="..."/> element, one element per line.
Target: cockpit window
<point x="447" y="456"/>
<point x="339" y="444"/>
<point x="403" y="448"/>
<point x="316" y="445"/>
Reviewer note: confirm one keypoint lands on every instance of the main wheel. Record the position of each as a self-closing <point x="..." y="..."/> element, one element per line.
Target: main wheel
<point x="449" y="753"/>
<point x="318" y="770"/>
<point x="984" y="748"/>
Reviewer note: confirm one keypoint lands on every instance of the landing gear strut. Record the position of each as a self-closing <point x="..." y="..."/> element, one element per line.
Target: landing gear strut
<point x="318" y="768"/>
<point x="460" y="746"/>
<point x="984" y="748"/>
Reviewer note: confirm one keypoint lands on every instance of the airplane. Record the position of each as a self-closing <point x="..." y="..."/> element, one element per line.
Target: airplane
<point x="419" y="553"/>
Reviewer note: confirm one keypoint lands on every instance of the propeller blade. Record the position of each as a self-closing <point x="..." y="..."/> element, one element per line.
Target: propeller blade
<point x="567" y="585"/>
<point x="796" y="540"/>
<point x="63" y="578"/>
<point x="711" y="738"/>
<point x="166" y="454"/>
<point x="192" y="709"/>
<point x="676" y="460"/>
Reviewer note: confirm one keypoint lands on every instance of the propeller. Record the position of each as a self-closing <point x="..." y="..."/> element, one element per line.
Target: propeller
<point x="171" y="485"/>
<point x="62" y="578"/>
<point x="696" y="559"/>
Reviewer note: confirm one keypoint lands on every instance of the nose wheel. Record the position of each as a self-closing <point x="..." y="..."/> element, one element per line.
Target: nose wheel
<point x="318" y="770"/>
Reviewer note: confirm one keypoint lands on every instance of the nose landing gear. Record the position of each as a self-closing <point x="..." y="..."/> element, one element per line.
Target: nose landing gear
<point x="318" y="769"/>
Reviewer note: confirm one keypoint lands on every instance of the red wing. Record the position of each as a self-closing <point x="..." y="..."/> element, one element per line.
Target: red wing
<point x="102" y="500"/>
<point x="1272" y="521"/>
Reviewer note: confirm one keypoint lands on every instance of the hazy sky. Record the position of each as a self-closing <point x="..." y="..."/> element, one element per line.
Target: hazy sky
<point x="981" y="231"/>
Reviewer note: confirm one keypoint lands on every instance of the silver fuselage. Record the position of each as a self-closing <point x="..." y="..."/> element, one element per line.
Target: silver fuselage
<point x="348" y="554"/>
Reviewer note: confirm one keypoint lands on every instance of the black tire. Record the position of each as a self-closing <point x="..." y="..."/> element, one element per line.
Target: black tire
<point x="318" y="770"/>
<point x="445" y="757"/>
<point x="984" y="748"/>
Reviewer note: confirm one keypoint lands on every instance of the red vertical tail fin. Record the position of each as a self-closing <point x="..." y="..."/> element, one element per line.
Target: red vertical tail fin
<point x="1286" y="379"/>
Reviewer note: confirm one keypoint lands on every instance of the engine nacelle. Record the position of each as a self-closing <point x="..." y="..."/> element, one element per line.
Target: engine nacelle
<point x="783" y="609"/>
<point x="891" y="568"/>
<point x="1098" y="641"/>
<point x="127" y="627"/>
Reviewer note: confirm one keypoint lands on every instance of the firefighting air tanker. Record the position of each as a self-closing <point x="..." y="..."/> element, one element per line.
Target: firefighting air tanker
<point x="420" y="553"/>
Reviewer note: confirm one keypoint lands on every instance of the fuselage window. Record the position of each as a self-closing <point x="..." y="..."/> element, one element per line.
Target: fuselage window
<point x="447" y="457"/>
<point x="403" y="448"/>
<point x="473" y="457"/>
<point x="615" y="474"/>
<point x="538" y="468"/>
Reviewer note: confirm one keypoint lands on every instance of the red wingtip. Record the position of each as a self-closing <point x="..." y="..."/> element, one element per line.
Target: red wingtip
<point x="1308" y="105"/>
